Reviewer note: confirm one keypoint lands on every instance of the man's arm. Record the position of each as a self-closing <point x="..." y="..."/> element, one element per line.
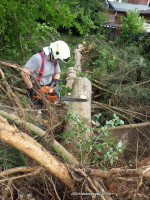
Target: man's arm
<point x="57" y="76"/>
<point x="26" y="77"/>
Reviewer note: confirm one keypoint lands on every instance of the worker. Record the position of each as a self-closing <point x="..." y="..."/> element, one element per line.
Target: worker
<point x="44" y="66"/>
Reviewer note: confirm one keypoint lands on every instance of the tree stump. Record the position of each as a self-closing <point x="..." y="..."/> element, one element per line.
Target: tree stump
<point x="82" y="86"/>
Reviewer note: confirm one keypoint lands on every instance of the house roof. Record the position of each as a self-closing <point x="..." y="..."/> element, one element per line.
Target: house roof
<point x="123" y="7"/>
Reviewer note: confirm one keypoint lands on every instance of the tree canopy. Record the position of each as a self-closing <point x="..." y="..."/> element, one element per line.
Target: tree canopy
<point x="38" y="18"/>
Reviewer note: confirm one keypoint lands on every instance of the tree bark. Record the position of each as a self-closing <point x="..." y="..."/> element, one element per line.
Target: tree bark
<point x="77" y="60"/>
<point x="130" y="126"/>
<point x="55" y="145"/>
<point x="23" y="142"/>
<point x="17" y="170"/>
<point x="81" y="86"/>
<point x="120" y="172"/>
<point x="71" y="74"/>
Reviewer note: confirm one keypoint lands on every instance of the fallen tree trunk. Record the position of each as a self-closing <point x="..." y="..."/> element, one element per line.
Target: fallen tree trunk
<point x="90" y="186"/>
<point x="122" y="116"/>
<point x="129" y="126"/>
<point x="71" y="74"/>
<point x="29" y="146"/>
<point x="55" y="145"/>
<point x="77" y="60"/>
<point x="80" y="87"/>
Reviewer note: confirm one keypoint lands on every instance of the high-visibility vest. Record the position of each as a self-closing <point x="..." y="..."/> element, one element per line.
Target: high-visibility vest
<point x="42" y="68"/>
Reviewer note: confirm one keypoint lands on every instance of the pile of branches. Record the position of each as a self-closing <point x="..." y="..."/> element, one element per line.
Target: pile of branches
<point x="120" y="78"/>
<point x="117" y="183"/>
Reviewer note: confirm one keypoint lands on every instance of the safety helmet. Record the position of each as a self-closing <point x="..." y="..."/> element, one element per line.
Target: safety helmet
<point x="60" y="49"/>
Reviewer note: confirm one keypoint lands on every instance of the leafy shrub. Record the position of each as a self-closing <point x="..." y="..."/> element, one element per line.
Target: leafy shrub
<point x="103" y="143"/>
<point x="132" y="26"/>
<point x="10" y="157"/>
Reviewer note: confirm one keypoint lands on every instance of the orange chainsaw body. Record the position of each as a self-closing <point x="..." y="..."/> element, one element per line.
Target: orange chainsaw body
<point x="48" y="94"/>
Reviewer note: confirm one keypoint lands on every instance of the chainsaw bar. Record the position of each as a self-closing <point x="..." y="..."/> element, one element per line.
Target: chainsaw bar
<point x="72" y="99"/>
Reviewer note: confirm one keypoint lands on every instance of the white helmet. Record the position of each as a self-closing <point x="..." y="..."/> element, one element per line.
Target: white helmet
<point x="60" y="49"/>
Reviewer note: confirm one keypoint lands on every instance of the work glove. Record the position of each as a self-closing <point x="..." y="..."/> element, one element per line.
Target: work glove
<point x="55" y="83"/>
<point x="30" y="93"/>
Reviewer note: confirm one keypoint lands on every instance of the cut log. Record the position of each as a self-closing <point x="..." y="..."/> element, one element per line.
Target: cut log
<point x="11" y="135"/>
<point x="81" y="86"/>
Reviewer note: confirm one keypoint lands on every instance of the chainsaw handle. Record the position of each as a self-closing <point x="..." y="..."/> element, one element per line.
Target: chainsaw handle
<point x="56" y="91"/>
<point x="50" y="87"/>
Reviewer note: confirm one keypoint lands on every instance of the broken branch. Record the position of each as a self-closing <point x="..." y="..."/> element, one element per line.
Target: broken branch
<point x="23" y="142"/>
<point x="55" y="145"/>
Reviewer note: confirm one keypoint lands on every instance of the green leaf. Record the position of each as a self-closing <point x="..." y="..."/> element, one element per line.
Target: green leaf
<point x="119" y="145"/>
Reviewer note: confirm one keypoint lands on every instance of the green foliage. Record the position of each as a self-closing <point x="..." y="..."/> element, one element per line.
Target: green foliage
<point x="144" y="45"/>
<point x="77" y="133"/>
<point x="119" y="69"/>
<point x="34" y="20"/>
<point x="132" y="70"/>
<point x="106" y="146"/>
<point x="132" y="26"/>
<point x="101" y="59"/>
<point x="10" y="157"/>
<point x="88" y="15"/>
<point x="63" y="90"/>
<point x="103" y="144"/>
<point x="78" y="128"/>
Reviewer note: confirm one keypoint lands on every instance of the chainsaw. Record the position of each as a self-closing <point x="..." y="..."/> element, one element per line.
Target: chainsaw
<point x="49" y="93"/>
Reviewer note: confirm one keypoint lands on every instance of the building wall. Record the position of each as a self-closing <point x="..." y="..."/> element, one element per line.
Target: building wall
<point x="142" y="2"/>
<point x="114" y="22"/>
<point x="115" y="18"/>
